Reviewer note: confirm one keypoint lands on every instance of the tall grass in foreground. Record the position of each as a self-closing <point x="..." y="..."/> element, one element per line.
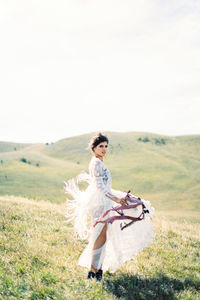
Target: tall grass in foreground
<point x="39" y="253"/>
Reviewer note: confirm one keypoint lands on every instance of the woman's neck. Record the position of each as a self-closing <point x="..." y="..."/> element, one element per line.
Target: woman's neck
<point x="100" y="157"/>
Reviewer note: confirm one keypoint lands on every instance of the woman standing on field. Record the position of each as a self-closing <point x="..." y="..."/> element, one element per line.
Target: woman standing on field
<point x="109" y="246"/>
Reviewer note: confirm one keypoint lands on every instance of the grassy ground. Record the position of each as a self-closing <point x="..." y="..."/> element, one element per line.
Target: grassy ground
<point x="39" y="253"/>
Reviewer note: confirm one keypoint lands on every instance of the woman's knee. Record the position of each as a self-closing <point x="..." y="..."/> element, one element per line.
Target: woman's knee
<point x="101" y="238"/>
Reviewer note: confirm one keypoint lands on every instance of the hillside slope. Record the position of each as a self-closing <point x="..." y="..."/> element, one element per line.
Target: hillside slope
<point x="162" y="169"/>
<point x="39" y="254"/>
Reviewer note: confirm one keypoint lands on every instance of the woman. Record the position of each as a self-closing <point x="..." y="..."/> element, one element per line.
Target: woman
<point x="109" y="247"/>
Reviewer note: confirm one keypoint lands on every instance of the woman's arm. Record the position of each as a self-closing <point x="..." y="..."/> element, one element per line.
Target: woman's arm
<point x="97" y="173"/>
<point x="116" y="199"/>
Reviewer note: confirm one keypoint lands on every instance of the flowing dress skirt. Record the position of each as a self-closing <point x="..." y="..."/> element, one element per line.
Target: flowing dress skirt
<point x="121" y="245"/>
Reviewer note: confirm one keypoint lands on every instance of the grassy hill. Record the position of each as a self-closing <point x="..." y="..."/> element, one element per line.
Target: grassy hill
<point x="162" y="169"/>
<point x="39" y="254"/>
<point x="9" y="146"/>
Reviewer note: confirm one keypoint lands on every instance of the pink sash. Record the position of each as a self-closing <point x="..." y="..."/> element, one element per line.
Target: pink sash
<point x="122" y="216"/>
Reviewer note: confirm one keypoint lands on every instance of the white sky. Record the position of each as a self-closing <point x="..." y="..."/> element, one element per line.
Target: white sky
<point x="73" y="67"/>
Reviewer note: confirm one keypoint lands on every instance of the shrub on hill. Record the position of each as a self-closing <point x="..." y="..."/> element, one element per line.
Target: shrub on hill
<point x="23" y="160"/>
<point x="157" y="141"/>
<point x="144" y="140"/>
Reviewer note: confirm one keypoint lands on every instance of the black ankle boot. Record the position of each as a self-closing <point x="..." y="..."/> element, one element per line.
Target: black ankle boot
<point x="91" y="274"/>
<point x="99" y="275"/>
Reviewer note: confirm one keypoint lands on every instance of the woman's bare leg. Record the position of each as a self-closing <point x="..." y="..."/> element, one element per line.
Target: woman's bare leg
<point x="100" y="241"/>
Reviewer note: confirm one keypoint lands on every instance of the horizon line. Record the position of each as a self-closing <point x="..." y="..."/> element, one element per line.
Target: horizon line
<point x="102" y="131"/>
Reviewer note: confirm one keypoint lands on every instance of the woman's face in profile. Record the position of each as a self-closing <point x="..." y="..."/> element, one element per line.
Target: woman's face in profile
<point x="101" y="149"/>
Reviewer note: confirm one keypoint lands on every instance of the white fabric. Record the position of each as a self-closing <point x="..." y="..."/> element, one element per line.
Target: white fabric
<point x="89" y="204"/>
<point x="98" y="257"/>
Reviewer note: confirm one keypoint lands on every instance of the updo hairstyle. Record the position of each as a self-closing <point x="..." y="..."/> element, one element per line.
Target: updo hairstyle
<point x="97" y="139"/>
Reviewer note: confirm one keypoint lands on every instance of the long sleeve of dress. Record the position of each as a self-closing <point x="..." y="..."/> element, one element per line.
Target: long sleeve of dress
<point x="97" y="173"/>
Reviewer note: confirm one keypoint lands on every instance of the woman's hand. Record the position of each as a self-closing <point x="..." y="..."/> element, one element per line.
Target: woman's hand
<point x="116" y="199"/>
<point x="122" y="201"/>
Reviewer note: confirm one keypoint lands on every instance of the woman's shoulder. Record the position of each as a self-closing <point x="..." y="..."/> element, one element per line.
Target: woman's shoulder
<point x="95" y="161"/>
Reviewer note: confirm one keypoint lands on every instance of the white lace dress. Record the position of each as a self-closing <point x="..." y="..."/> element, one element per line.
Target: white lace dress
<point x="121" y="245"/>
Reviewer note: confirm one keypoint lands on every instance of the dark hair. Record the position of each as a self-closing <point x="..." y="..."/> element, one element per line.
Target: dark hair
<point x="96" y="140"/>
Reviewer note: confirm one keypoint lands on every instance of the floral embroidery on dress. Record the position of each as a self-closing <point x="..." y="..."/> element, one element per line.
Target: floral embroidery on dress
<point x="105" y="175"/>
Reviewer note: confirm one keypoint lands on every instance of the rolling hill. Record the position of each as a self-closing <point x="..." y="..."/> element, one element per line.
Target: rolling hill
<point x="159" y="168"/>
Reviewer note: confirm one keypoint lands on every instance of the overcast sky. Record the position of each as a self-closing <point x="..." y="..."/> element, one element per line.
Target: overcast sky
<point x="73" y="67"/>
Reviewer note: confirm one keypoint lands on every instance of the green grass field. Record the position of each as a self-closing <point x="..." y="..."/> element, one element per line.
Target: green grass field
<point x="162" y="169"/>
<point x="39" y="254"/>
<point x="39" y="251"/>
